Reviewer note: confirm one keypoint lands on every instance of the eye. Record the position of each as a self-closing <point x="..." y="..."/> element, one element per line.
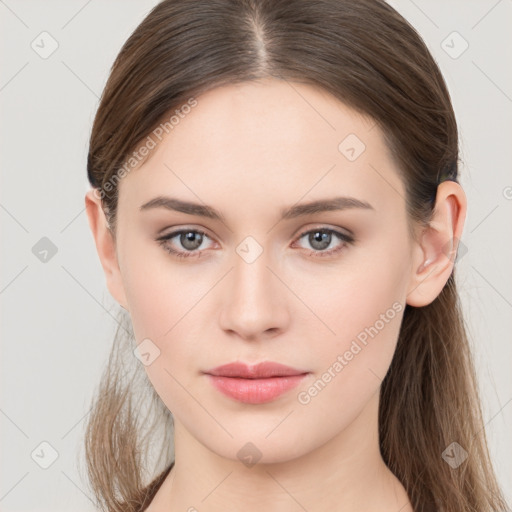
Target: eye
<point x="322" y="238"/>
<point x="190" y="239"/>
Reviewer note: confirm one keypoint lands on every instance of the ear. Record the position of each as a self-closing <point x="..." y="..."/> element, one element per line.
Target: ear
<point x="105" y="246"/>
<point x="434" y="253"/>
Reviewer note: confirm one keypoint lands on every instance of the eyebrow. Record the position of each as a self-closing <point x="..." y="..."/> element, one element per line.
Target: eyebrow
<point x="298" y="210"/>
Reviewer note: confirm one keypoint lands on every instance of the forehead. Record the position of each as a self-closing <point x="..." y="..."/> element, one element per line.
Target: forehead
<point x="265" y="139"/>
<point x="271" y="118"/>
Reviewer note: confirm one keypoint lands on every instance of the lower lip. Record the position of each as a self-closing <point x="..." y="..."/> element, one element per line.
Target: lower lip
<point x="255" y="391"/>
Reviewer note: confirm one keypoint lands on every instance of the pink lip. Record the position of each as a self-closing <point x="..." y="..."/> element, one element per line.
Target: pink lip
<point x="255" y="384"/>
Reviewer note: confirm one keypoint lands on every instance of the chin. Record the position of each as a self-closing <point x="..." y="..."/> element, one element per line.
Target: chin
<point x="253" y="447"/>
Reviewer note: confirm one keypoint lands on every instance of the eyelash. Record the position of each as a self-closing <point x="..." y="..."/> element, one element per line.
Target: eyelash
<point x="347" y="239"/>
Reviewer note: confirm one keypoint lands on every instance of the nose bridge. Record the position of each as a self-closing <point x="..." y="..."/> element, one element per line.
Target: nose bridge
<point x="254" y="302"/>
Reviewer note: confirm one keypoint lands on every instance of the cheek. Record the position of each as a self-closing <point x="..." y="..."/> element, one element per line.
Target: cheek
<point x="162" y="313"/>
<point x="364" y="307"/>
<point x="164" y="303"/>
<point x="350" y="367"/>
<point x="158" y="293"/>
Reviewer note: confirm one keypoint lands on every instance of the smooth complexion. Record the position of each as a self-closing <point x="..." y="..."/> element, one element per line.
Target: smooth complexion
<point x="250" y="152"/>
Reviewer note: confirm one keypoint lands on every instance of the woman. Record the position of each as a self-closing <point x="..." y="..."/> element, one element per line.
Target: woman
<point x="275" y="204"/>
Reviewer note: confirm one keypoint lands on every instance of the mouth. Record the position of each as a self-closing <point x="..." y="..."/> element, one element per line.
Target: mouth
<point x="255" y="384"/>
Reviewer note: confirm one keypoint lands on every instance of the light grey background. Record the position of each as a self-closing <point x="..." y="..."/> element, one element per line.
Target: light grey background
<point x="57" y="316"/>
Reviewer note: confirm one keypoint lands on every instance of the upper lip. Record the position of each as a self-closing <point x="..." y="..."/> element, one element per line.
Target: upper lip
<point x="258" y="371"/>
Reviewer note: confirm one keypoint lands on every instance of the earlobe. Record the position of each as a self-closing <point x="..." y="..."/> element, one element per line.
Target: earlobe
<point x="434" y="253"/>
<point x="105" y="246"/>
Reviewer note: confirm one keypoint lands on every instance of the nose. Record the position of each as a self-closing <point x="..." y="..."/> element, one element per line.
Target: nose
<point x="254" y="306"/>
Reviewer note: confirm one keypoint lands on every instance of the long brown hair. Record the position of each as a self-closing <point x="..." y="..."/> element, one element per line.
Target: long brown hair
<point x="366" y="55"/>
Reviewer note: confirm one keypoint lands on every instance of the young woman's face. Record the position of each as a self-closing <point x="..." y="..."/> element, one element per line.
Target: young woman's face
<point x="321" y="290"/>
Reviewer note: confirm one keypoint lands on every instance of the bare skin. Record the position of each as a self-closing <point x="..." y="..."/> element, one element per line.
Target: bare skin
<point x="250" y="151"/>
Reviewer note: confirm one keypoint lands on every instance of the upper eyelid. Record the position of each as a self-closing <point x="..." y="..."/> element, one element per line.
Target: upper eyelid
<point x="297" y="233"/>
<point x="342" y="231"/>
